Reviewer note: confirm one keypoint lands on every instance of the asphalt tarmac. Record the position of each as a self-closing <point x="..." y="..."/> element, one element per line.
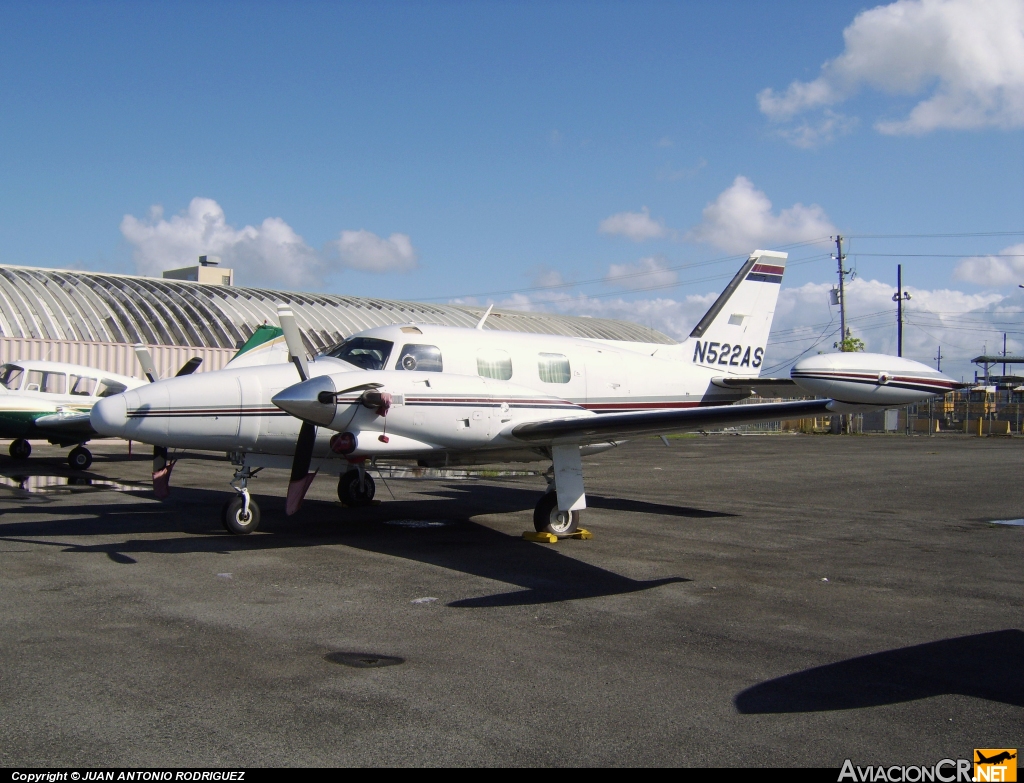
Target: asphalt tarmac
<point x="745" y="601"/>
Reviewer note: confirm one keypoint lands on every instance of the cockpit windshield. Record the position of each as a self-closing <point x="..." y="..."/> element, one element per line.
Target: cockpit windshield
<point x="11" y="376"/>
<point x="366" y="352"/>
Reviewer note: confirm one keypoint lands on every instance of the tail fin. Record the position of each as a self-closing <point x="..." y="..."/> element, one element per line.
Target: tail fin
<point x="266" y="346"/>
<point x="733" y="334"/>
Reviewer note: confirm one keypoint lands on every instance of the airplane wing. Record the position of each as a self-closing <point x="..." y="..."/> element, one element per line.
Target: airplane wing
<point x="61" y="424"/>
<point x="607" y="426"/>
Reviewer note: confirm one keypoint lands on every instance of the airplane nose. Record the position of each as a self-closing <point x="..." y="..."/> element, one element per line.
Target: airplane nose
<point x="110" y="415"/>
<point x="303" y="400"/>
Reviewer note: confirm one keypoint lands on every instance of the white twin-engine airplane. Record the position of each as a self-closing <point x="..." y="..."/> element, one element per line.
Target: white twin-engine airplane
<point x="451" y="396"/>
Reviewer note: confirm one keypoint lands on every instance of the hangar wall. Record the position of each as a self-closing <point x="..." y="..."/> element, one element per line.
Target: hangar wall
<point x="94" y="318"/>
<point x="112" y="357"/>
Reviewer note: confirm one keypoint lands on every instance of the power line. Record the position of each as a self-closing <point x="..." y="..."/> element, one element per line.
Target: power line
<point x="938" y="236"/>
<point x="941" y="255"/>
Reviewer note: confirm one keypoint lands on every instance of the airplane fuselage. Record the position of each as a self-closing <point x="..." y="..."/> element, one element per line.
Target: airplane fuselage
<point x="476" y="386"/>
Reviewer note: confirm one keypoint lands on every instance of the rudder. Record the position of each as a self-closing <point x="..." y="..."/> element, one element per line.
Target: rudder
<point x="733" y="334"/>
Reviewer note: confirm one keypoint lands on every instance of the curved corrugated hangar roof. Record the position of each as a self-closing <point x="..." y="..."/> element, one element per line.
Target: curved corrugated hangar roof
<point x="57" y="304"/>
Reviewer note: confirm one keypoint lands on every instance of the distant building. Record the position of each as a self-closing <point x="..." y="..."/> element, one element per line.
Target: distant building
<point x="208" y="271"/>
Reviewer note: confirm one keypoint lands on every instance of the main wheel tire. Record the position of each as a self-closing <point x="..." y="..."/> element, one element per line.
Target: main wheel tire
<point x="351" y="494"/>
<point x="80" y="458"/>
<point x="548" y="519"/>
<point x="234" y="522"/>
<point x="20" y="449"/>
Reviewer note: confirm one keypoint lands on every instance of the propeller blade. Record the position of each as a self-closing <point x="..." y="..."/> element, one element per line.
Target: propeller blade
<point x="146" y="360"/>
<point x="189" y="367"/>
<point x="296" y="350"/>
<point x="301" y="478"/>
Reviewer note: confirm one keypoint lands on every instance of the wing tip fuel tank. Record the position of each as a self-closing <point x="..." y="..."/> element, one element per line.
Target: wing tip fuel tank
<point x="870" y="378"/>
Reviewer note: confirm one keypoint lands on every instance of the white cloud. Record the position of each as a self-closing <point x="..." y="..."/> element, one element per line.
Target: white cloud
<point x="810" y="134"/>
<point x="961" y="323"/>
<point x="645" y="273"/>
<point x="367" y="252"/>
<point x="968" y="56"/>
<point x="741" y="220"/>
<point x="637" y="226"/>
<point x="994" y="270"/>
<point x="269" y="254"/>
<point x="670" y="316"/>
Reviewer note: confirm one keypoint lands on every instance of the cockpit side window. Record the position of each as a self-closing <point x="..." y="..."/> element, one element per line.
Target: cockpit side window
<point x="82" y="386"/>
<point x="11" y="376"/>
<point x="369" y="353"/>
<point x="424" y="358"/>
<point x="46" y="382"/>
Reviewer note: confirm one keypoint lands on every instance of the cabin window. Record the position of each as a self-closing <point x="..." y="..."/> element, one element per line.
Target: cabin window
<point x="494" y="363"/>
<point x="108" y="388"/>
<point x="82" y="386"/>
<point x="425" y="358"/>
<point x="368" y="353"/>
<point x="46" y="382"/>
<point x="11" y="376"/>
<point x="553" y="368"/>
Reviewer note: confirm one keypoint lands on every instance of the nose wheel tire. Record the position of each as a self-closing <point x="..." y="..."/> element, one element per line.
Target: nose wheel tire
<point x="80" y="458"/>
<point x="20" y="449"/>
<point x="351" y="493"/>
<point x="548" y="519"/>
<point x="235" y="521"/>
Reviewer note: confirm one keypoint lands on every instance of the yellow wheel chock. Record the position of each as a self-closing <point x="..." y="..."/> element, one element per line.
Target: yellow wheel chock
<point x="551" y="538"/>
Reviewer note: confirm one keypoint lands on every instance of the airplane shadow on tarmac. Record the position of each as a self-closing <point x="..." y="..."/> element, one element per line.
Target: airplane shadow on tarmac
<point x="546" y="575"/>
<point x="985" y="666"/>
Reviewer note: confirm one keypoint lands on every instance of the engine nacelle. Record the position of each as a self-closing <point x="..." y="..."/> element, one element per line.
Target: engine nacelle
<point x="870" y="379"/>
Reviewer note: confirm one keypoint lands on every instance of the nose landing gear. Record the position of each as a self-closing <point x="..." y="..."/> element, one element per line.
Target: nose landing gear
<point x="241" y="514"/>
<point x="20" y="449"/>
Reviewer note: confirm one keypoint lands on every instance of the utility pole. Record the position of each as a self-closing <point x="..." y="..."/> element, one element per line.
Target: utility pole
<point x="899" y="298"/>
<point x="842" y="295"/>
<point x="1004" y="353"/>
<point x="938" y="360"/>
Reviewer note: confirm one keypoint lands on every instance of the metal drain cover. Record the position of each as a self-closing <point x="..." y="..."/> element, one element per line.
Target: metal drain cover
<point x="363" y="660"/>
<point x="419" y="523"/>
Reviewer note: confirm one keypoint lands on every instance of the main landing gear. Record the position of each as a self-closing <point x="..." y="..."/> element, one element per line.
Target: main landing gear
<point x="241" y="514"/>
<point x="548" y="519"/>
<point x="80" y="457"/>
<point x="558" y="511"/>
<point x="356" y="488"/>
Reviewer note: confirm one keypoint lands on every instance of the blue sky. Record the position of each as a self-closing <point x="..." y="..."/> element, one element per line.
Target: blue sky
<point x="477" y="147"/>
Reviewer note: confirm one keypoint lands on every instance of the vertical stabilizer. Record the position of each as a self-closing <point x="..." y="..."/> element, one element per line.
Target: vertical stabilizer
<point x="266" y="346"/>
<point x="732" y="336"/>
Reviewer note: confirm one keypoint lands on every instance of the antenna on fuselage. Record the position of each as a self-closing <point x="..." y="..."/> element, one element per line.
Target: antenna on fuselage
<point x="480" y="323"/>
